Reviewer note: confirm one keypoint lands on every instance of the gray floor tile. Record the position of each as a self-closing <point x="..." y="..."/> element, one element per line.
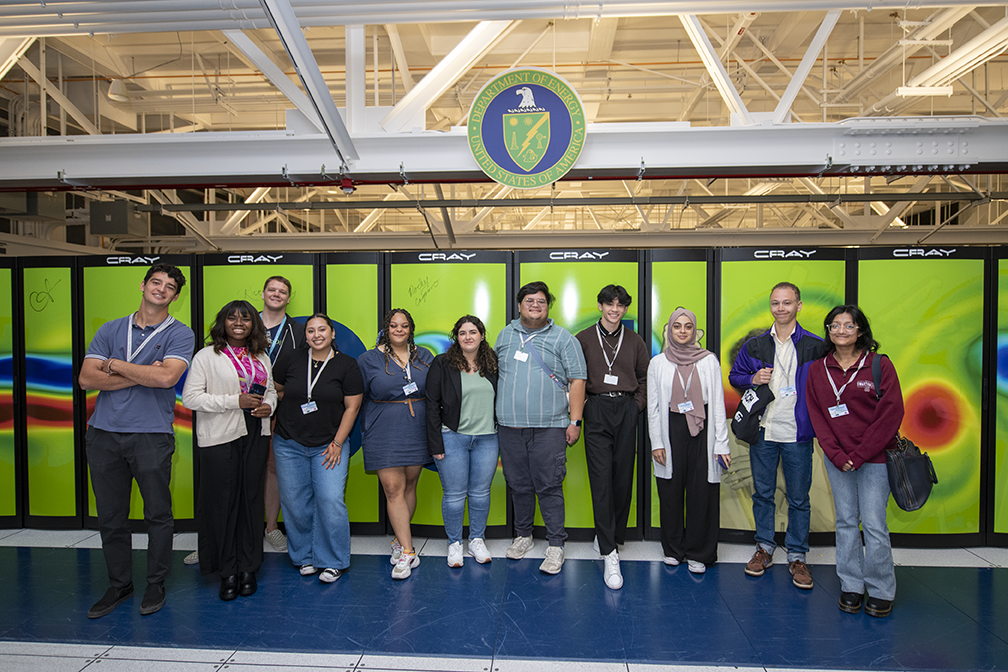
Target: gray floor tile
<point x="17" y="663"/>
<point x="157" y="653"/>
<point x="290" y="660"/>
<point x="374" y="663"/>
<point x="506" y="665"/>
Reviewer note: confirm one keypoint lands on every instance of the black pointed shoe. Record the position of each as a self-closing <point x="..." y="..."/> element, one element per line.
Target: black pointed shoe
<point x="850" y="603"/>
<point x="112" y="598"/>
<point x="247" y="583"/>
<point x="229" y="588"/>
<point x="877" y="607"/>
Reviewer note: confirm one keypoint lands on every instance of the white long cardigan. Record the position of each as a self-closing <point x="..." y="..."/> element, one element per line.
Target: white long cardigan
<point x="661" y="373"/>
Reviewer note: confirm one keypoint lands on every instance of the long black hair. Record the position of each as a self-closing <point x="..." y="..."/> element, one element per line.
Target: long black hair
<point x="385" y="340"/>
<point x="486" y="358"/>
<point x="319" y="316"/>
<point x="255" y="342"/>
<point x="865" y="341"/>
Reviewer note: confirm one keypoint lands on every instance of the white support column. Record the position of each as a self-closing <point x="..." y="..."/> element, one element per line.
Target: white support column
<point x="355" y="78"/>
<point x="715" y="68"/>
<point x="805" y="67"/>
<point x="399" y="56"/>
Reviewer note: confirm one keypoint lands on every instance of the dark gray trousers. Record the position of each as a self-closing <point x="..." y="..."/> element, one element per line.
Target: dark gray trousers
<point x="535" y="465"/>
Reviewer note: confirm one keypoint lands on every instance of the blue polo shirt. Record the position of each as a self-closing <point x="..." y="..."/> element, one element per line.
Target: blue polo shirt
<point x="139" y="409"/>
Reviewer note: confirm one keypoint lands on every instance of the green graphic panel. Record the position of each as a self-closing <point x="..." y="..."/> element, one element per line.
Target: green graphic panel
<point x="111" y="292"/>
<point x="932" y="330"/>
<point x="575" y="286"/>
<point x="674" y="284"/>
<point x="226" y="283"/>
<point x="8" y="504"/>
<point x="436" y="295"/>
<point x="1001" y="433"/>
<point x="49" y="382"/>
<point x="357" y="310"/>
<point x="745" y="306"/>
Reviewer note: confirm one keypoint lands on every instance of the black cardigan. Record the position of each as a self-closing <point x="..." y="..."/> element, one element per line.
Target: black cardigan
<point x="444" y="401"/>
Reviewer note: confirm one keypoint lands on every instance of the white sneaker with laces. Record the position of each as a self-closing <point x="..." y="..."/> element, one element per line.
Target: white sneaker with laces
<point x="329" y="575"/>
<point x="696" y="566"/>
<point x="670" y="561"/>
<point x="307" y="570"/>
<point x="455" y="554"/>
<point x="613" y="576"/>
<point x="554" y="560"/>
<point x="408" y="560"/>
<point x="396" y="551"/>
<point x="278" y="540"/>
<point x="191" y="559"/>
<point x="519" y="547"/>
<point x="478" y="550"/>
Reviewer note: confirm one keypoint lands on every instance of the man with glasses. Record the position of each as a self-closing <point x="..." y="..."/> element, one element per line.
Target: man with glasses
<point x="780" y="358"/>
<point x="538" y="363"/>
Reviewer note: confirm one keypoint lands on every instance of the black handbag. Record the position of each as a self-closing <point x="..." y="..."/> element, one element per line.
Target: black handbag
<point x="910" y="471"/>
<point x="746" y="421"/>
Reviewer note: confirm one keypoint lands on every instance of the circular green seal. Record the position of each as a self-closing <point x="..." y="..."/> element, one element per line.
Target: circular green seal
<point x="526" y="128"/>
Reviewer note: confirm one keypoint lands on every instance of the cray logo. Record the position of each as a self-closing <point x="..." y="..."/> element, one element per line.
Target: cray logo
<point x="906" y="253"/>
<point x="783" y="254"/>
<point x="130" y="261"/>
<point x="591" y="256"/>
<point x="441" y="256"/>
<point x="250" y="259"/>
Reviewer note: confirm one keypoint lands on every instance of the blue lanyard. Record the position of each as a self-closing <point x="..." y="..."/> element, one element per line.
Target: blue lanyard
<point x="278" y="338"/>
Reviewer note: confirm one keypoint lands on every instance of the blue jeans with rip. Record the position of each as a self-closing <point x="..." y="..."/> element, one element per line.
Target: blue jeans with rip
<point x="468" y="468"/>
<point x="796" y="463"/>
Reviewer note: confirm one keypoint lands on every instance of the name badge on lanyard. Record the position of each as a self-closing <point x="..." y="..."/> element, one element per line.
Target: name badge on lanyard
<point x="311" y="406"/>
<point x="521" y="355"/>
<point x="609" y="379"/>
<point x="838" y="411"/>
<point x="410" y="387"/>
<point x="788" y="391"/>
<point x="686" y="406"/>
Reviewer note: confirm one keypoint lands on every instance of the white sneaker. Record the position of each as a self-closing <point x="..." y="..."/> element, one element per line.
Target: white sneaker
<point x="407" y="561"/>
<point x="191" y="559"/>
<point x="307" y="570"/>
<point x="696" y="567"/>
<point x="519" y="547"/>
<point x="670" y="561"/>
<point x="396" y="551"/>
<point x="329" y="575"/>
<point x="478" y="550"/>
<point x="613" y="576"/>
<point x="554" y="560"/>
<point x="455" y="554"/>
<point x="278" y="540"/>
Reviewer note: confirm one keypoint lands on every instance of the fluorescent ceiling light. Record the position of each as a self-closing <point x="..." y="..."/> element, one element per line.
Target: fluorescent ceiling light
<point x="907" y="91"/>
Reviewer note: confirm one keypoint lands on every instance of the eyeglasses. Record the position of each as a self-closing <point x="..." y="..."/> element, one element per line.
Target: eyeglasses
<point x="833" y="328"/>
<point x="534" y="302"/>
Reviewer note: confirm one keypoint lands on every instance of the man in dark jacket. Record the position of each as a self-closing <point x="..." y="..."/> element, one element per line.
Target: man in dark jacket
<point x="780" y="359"/>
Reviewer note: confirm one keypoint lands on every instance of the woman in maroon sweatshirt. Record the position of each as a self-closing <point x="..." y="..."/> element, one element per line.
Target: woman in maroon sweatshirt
<point x="854" y="427"/>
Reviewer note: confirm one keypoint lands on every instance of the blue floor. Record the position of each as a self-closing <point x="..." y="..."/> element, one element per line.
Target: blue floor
<point x="944" y="618"/>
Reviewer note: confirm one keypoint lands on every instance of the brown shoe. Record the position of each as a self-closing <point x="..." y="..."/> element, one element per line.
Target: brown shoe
<point x="758" y="562"/>
<point x="800" y="575"/>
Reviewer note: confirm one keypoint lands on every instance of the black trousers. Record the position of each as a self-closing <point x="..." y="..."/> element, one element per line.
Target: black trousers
<point x="610" y="435"/>
<point x="114" y="460"/>
<point x="230" y="505"/>
<point x="689" y="532"/>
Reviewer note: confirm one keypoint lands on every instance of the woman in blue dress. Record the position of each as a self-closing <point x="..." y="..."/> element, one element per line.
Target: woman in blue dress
<point x="394" y="426"/>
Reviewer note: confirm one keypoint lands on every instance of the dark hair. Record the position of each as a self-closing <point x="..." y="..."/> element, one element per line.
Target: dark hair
<point x="611" y="293"/>
<point x="385" y="340"/>
<point x="535" y="288"/>
<point x="486" y="358"/>
<point x="328" y="321"/>
<point x="865" y="341"/>
<point x="736" y="348"/>
<point x="279" y="278"/>
<point x="788" y="285"/>
<point x="171" y="271"/>
<point x="255" y="341"/>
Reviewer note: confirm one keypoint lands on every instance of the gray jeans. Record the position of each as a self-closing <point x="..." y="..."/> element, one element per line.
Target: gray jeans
<point x="535" y="464"/>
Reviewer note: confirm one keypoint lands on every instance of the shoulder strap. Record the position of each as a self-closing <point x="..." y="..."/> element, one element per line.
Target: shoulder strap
<point x="876" y="374"/>
<point x="545" y="368"/>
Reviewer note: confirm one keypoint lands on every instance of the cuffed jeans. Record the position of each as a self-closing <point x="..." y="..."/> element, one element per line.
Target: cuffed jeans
<point x="468" y="468"/>
<point x="311" y="497"/>
<point x="796" y="462"/>
<point x="861" y="496"/>
<point x="535" y="464"/>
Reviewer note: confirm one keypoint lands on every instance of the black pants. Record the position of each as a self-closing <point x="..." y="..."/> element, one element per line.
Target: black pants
<point x="610" y="436"/>
<point x="230" y="506"/>
<point x="689" y="532"/>
<point x="114" y="460"/>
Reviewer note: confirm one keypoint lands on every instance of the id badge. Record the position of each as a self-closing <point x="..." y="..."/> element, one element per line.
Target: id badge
<point x="310" y="407"/>
<point x="409" y="388"/>
<point x="521" y="355"/>
<point x="788" y="391"/>
<point x="686" y="406"/>
<point x="838" y="411"/>
<point x="610" y="379"/>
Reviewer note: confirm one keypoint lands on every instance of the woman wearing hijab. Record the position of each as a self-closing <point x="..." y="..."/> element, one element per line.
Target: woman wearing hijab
<point x="689" y="436"/>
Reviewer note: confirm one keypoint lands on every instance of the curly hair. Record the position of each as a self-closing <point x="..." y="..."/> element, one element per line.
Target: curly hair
<point x="486" y="358"/>
<point x="865" y="341"/>
<point x="385" y="340"/>
<point x="255" y="342"/>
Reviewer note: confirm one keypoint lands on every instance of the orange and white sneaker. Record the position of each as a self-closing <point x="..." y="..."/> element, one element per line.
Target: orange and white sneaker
<point x="406" y="563"/>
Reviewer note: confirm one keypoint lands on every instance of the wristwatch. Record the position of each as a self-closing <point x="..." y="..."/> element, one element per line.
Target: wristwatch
<point x="577" y="423"/>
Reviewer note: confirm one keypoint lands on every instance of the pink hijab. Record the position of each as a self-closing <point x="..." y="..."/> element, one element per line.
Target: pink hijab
<point x="685" y="356"/>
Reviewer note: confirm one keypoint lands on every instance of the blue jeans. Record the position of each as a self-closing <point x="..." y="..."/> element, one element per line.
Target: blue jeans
<point x="861" y="496"/>
<point x="468" y="468"/>
<point x="796" y="462"/>
<point x="311" y="496"/>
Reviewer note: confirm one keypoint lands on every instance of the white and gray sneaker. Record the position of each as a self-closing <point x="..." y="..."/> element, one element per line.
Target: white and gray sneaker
<point x="670" y="561"/>
<point x="278" y="540"/>
<point x="519" y="547"/>
<point x="396" y="551"/>
<point x="478" y="550"/>
<point x="696" y="567"/>
<point x="191" y="559"/>
<point x="408" y="560"/>
<point x="455" y="554"/>
<point x="613" y="577"/>
<point x="554" y="560"/>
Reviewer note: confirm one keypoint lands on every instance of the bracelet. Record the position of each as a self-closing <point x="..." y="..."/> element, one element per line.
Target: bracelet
<point x="110" y="372"/>
<point x="338" y="445"/>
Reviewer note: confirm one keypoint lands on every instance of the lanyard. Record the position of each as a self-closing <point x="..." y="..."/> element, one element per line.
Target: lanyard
<point x="405" y="367"/>
<point x="685" y="386"/>
<point x="130" y="354"/>
<point x="525" y="340"/>
<point x="312" y="381"/>
<point x="833" y="385"/>
<point x="279" y="338"/>
<point x="619" y="343"/>
<point x="245" y="383"/>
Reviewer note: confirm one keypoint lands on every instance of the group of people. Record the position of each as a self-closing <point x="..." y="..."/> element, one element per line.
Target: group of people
<point x="267" y="387"/>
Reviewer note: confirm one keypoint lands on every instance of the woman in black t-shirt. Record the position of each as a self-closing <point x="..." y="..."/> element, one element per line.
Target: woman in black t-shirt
<point x="320" y="393"/>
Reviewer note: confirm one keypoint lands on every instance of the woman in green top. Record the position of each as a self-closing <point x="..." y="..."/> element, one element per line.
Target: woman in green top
<point x="462" y="433"/>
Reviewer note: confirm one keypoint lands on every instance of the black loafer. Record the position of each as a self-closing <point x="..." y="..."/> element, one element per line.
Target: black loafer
<point x="153" y="599"/>
<point x="229" y="588"/>
<point x="877" y="608"/>
<point x="850" y="603"/>
<point x="112" y="598"/>
<point x="247" y="583"/>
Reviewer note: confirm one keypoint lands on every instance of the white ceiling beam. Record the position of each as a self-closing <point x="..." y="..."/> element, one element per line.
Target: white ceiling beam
<point x="741" y="26"/>
<point x="356" y="78"/>
<point x="11" y="51"/>
<point x="444" y="75"/>
<point x="805" y="67"/>
<point x="57" y="95"/>
<point x="715" y="68"/>
<point x="400" y="57"/>
<point x="232" y="223"/>
<point x="186" y="219"/>
<point x="286" y="25"/>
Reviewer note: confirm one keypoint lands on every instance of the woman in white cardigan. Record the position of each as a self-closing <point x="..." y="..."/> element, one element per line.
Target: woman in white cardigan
<point x="230" y="386"/>
<point x="689" y="441"/>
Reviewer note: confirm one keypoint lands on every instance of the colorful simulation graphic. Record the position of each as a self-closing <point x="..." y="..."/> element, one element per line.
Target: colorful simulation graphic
<point x="1001" y="434"/>
<point x="8" y="491"/>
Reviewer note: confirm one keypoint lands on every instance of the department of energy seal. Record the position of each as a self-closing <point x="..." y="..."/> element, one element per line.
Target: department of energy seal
<point x="526" y="128"/>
